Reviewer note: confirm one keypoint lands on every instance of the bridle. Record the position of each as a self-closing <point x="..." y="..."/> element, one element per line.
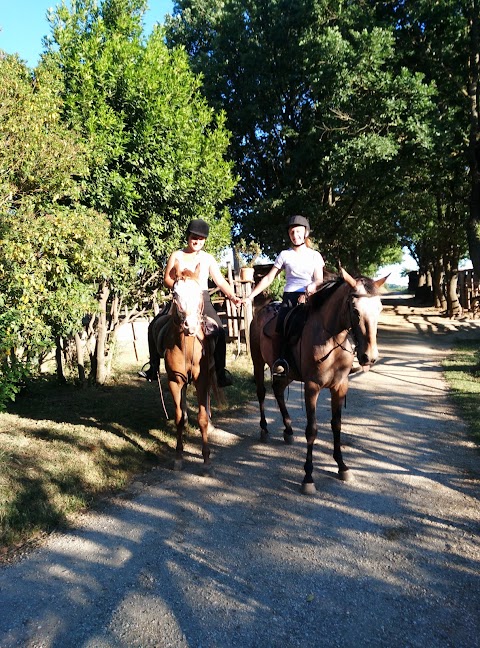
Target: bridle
<point x="354" y="312"/>
<point x="180" y="316"/>
<point x="354" y="329"/>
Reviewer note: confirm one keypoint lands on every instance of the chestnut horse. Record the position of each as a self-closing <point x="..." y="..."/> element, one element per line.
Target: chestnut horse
<point x="188" y="356"/>
<point x="321" y="355"/>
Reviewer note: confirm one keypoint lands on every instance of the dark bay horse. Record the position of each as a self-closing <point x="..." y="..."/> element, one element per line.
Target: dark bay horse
<point x="322" y="356"/>
<point x="188" y="356"/>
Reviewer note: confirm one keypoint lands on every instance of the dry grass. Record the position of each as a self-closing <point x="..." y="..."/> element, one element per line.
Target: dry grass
<point x="62" y="448"/>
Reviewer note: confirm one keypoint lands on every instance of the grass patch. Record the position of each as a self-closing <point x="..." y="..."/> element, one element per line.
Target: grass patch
<point x="62" y="448"/>
<point x="462" y="372"/>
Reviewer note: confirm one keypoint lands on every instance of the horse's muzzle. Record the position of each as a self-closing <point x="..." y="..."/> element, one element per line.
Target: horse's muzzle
<point x="366" y="362"/>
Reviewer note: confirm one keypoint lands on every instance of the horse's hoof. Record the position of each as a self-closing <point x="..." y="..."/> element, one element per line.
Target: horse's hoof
<point x="263" y="436"/>
<point x="178" y="464"/>
<point x="308" y="488"/>
<point x="207" y="471"/>
<point x="288" y="438"/>
<point x="345" y="475"/>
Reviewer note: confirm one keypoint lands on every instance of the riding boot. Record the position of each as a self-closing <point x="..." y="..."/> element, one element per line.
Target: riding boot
<point x="224" y="377"/>
<point x="280" y="367"/>
<point x="159" y="321"/>
<point x="151" y="373"/>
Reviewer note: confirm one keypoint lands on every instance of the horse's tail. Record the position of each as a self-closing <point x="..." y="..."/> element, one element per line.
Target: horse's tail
<point x="218" y="393"/>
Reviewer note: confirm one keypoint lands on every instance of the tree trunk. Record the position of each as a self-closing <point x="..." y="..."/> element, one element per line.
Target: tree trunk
<point x="423" y="293"/>
<point x="437" y="281"/>
<point x="473" y="224"/>
<point x="80" y="358"/>
<point x="101" y="370"/>
<point x="453" y="304"/>
<point x="59" y="359"/>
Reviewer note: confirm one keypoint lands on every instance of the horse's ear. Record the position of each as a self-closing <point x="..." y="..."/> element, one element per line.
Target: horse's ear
<point x="196" y="274"/>
<point x="380" y="282"/>
<point x="348" y="278"/>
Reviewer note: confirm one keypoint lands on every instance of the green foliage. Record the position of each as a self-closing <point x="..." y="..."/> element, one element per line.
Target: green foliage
<point x="158" y="149"/>
<point x="326" y="126"/>
<point x="41" y="159"/>
<point x="52" y="249"/>
<point x="433" y="212"/>
<point x="247" y="253"/>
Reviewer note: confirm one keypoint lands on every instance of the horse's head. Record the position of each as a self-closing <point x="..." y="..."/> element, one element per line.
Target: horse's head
<point x="188" y="299"/>
<point x="365" y="307"/>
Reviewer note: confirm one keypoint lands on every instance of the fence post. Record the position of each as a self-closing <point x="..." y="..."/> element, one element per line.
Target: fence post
<point x="247" y="312"/>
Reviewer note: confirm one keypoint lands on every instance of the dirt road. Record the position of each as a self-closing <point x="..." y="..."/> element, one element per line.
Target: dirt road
<point x="243" y="559"/>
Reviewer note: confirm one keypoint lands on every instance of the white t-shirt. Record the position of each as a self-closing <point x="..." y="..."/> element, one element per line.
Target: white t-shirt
<point x="205" y="260"/>
<point x="299" y="268"/>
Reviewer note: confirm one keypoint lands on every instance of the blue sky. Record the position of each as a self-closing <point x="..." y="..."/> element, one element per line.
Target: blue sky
<point x="23" y="24"/>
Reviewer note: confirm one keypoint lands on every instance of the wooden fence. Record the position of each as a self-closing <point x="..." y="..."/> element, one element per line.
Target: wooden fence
<point x="236" y="319"/>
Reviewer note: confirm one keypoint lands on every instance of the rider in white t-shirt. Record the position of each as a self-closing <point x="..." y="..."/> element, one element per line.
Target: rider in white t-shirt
<point x="303" y="268"/>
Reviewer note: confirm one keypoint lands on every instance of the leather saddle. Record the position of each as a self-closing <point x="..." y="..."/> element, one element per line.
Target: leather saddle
<point x="293" y="323"/>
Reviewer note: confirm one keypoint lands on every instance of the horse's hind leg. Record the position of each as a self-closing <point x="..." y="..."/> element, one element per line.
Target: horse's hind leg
<point x="279" y="391"/>
<point x="338" y="400"/>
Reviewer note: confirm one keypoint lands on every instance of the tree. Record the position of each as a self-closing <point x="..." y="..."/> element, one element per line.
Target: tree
<point x="158" y="149"/>
<point x="323" y="121"/>
<point x="442" y="40"/>
<point x="50" y="253"/>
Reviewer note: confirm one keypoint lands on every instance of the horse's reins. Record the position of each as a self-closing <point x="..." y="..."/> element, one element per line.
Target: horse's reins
<point x="350" y="330"/>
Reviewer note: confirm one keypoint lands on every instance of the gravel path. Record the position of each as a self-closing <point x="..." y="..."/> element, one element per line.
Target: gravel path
<point x="243" y="559"/>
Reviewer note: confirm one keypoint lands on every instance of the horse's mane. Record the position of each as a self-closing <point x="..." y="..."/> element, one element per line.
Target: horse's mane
<point x="328" y="287"/>
<point x="324" y="292"/>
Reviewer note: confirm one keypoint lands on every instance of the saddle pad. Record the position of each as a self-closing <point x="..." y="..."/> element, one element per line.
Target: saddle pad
<point x="270" y="326"/>
<point x="294" y="323"/>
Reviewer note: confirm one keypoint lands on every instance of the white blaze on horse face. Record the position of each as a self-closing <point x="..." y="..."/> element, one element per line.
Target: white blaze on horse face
<point x="188" y="299"/>
<point x="368" y="309"/>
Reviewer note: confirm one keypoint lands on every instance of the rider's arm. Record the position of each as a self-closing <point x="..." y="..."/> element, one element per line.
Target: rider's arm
<point x="169" y="276"/>
<point x="221" y="282"/>
<point x="317" y="278"/>
<point x="264" y="282"/>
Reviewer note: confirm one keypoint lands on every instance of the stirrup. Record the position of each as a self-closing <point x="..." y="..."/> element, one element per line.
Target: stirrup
<point x="150" y="374"/>
<point x="280" y="369"/>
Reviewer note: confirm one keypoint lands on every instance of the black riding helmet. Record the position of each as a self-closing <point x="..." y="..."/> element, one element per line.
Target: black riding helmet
<point x="299" y="220"/>
<point x="199" y="227"/>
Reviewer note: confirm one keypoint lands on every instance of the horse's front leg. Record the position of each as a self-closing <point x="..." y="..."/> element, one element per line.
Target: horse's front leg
<point x="279" y="387"/>
<point x="203" y="424"/>
<point x="338" y="395"/>
<point x="177" y="390"/>
<point x="311" y="395"/>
